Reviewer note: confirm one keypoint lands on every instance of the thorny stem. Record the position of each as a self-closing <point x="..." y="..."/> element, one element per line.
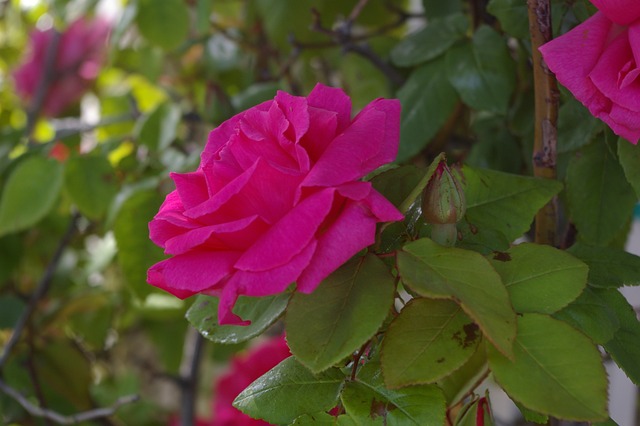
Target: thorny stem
<point x="546" y="120"/>
<point x="356" y="359"/>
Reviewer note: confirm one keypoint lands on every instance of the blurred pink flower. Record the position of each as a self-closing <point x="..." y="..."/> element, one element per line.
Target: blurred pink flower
<point x="277" y="199"/>
<point x="243" y="371"/>
<point x="79" y="57"/>
<point x="599" y="62"/>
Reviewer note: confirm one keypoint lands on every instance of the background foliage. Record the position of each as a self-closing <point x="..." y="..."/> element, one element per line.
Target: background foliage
<point x="77" y="193"/>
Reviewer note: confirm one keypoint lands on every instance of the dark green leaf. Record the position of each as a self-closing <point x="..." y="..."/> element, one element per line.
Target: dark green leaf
<point x="629" y="155"/>
<point x="164" y="23"/>
<point x="556" y="370"/>
<point x="437" y="8"/>
<point x="540" y="278"/>
<point x="158" y="129"/>
<point x="430" y="42"/>
<point x="136" y="253"/>
<point x="426" y="342"/>
<point x="341" y="314"/>
<point x="29" y="193"/>
<point x="261" y="311"/>
<point x="397" y="184"/>
<point x="91" y="184"/>
<point x="599" y="197"/>
<point x="482" y="71"/>
<point x="505" y="202"/>
<point x="428" y="99"/>
<point x="433" y="270"/>
<point x="576" y="126"/>
<point x="513" y="16"/>
<point x="289" y="391"/>
<point x="591" y="314"/>
<point x="10" y="310"/>
<point x="608" y="267"/>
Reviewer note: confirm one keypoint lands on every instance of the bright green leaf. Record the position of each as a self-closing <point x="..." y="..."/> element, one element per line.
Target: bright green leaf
<point x="341" y="314"/>
<point x="430" y="42"/>
<point x="540" y="278"/>
<point x="505" y="202"/>
<point x="532" y="416"/>
<point x="323" y="419"/>
<point x="164" y="23"/>
<point x="433" y="270"/>
<point x="482" y="71"/>
<point x="427" y="99"/>
<point x="556" y="370"/>
<point x="289" y="391"/>
<point x="426" y="342"/>
<point x="261" y="311"/>
<point x="91" y="184"/>
<point x="29" y="193"/>
<point x="599" y="197"/>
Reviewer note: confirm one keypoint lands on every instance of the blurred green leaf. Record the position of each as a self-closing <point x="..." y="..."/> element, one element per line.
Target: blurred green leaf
<point x="432" y="270"/>
<point x="164" y="23"/>
<point x="335" y="320"/>
<point x="431" y="41"/>
<point x="600" y="199"/>
<point x="513" y="16"/>
<point x="426" y="342"/>
<point x="158" y="129"/>
<point x="540" y="278"/>
<point x="437" y="8"/>
<point x="29" y="193"/>
<point x="482" y="71"/>
<point x="91" y="184"/>
<point x="556" y="370"/>
<point x="289" y="391"/>
<point x="261" y="311"/>
<point x="11" y="308"/>
<point x="427" y="99"/>
<point x="576" y="126"/>
<point x="136" y="252"/>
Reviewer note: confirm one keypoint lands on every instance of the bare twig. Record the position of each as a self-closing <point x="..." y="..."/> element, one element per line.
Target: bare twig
<point x="189" y="368"/>
<point x="41" y="290"/>
<point x="73" y="419"/>
<point x="546" y="107"/>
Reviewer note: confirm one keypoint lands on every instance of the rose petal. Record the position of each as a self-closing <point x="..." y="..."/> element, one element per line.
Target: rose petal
<point x="290" y="235"/>
<point x="573" y="56"/>
<point x="192" y="188"/>
<point x="622" y="12"/>
<point x="190" y="273"/>
<point x="624" y="123"/>
<point x="370" y="141"/>
<point x="322" y="131"/>
<point x="332" y="99"/>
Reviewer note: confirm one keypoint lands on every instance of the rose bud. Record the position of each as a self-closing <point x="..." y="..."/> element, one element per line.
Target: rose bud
<point x="443" y="199"/>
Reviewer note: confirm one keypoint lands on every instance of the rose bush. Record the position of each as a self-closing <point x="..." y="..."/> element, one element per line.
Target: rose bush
<point x="277" y="199"/>
<point x="598" y="62"/>
<point x="78" y="59"/>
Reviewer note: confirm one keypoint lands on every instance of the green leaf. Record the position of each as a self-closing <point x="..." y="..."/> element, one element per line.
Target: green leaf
<point x="261" y="311"/>
<point x="158" y="129"/>
<point x="556" y="370"/>
<point x="461" y="383"/>
<point x="629" y="155"/>
<point x="29" y="193"/>
<point x="289" y="391"/>
<point x="427" y="99"/>
<point x="505" y="202"/>
<point x="11" y="309"/>
<point x="591" y="314"/>
<point x="90" y="182"/>
<point x="369" y="402"/>
<point x="426" y="342"/>
<point x="513" y="16"/>
<point x="532" y="416"/>
<point x="437" y="8"/>
<point x="432" y="270"/>
<point x="136" y="252"/>
<point x="324" y="419"/>
<point x="397" y="184"/>
<point x="341" y="314"/>
<point x="482" y="71"/>
<point x="599" y="197"/>
<point x="576" y="126"/>
<point x="608" y="267"/>
<point x="164" y="23"/>
<point x="623" y="347"/>
<point x="430" y="42"/>
<point x="540" y="278"/>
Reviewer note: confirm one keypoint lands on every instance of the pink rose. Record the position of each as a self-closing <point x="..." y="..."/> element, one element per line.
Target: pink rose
<point x="79" y="56"/>
<point x="277" y="199"/>
<point x="598" y="61"/>
<point x="243" y="371"/>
